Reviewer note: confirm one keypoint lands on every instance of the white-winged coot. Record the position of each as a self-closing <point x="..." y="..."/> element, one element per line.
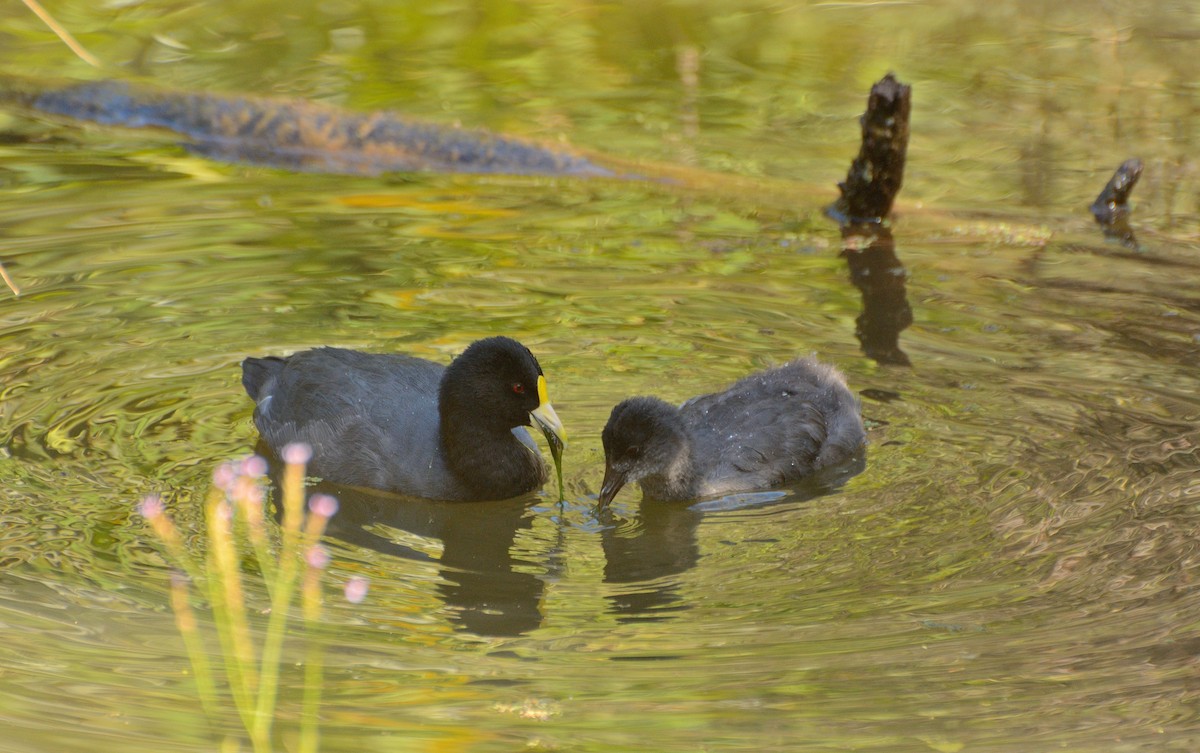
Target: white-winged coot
<point x="407" y="425"/>
<point x="774" y="427"/>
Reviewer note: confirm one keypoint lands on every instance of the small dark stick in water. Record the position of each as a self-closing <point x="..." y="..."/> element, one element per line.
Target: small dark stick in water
<point x="1111" y="207"/>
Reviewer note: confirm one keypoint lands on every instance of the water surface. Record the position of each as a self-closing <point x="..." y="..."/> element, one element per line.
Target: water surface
<point x="1015" y="568"/>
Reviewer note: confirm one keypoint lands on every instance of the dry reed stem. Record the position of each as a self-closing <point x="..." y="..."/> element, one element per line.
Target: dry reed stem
<point x="12" y="285"/>
<point x="62" y="34"/>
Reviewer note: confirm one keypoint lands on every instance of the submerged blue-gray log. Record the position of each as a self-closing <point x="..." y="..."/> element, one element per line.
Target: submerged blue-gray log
<point x="297" y="134"/>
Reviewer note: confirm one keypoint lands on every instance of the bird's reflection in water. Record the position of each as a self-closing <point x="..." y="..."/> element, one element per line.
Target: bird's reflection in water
<point x="645" y="551"/>
<point x="482" y="586"/>
<point x="487" y="591"/>
<point x="643" y="555"/>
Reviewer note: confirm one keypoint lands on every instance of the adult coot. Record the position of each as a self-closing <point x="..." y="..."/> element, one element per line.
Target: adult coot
<point x="774" y="427"/>
<point x="406" y="425"/>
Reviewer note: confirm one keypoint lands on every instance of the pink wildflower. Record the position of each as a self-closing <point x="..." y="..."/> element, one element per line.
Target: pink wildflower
<point x="356" y="589"/>
<point x="297" y="453"/>
<point x="323" y="505"/>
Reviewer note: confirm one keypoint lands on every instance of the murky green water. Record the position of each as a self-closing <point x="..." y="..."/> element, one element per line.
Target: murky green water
<point x="1015" y="569"/>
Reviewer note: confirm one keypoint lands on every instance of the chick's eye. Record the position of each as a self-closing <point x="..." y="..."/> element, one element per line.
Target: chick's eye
<point x="518" y="388"/>
<point x="633" y="453"/>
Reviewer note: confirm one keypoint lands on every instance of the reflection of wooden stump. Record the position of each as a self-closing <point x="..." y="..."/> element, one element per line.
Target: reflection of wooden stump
<point x="880" y="277"/>
<point x="1111" y="207"/>
<point x="876" y="174"/>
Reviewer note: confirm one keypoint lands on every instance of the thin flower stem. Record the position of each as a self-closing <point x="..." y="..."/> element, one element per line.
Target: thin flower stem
<point x="185" y="620"/>
<point x="310" y="732"/>
<point x="293" y="504"/>
<point x="281" y="596"/>
<point x="242" y="699"/>
<point x="247" y="496"/>
<point x="229" y="606"/>
<point x="162" y="526"/>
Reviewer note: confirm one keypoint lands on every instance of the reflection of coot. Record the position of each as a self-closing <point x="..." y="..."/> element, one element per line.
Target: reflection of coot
<point x="643" y="553"/>
<point x="481" y="586"/>
<point x="771" y="428"/>
<point x="658" y="543"/>
<point x="408" y="425"/>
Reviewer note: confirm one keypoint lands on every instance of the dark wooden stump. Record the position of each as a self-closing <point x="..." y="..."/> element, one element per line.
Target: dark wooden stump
<point x="878" y="171"/>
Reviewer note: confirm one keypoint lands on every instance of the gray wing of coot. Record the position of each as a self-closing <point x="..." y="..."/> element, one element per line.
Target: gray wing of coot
<point x="774" y="427"/>
<point x="371" y="419"/>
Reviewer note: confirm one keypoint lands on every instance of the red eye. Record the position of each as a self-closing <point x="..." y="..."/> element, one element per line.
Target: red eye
<point x="519" y="388"/>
